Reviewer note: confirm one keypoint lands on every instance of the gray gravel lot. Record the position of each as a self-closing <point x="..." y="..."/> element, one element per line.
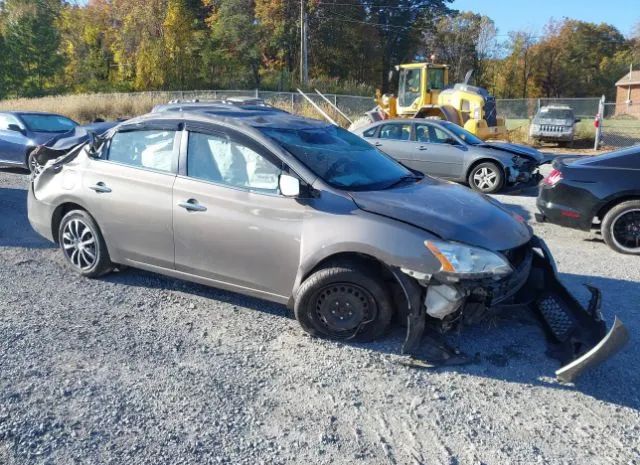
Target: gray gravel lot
<point x="135" y="368"/>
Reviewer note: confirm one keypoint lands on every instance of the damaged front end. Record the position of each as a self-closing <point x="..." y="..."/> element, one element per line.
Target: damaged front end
<point x="578" y="336"/>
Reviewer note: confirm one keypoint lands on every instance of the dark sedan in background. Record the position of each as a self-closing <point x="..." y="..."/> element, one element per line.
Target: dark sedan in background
<point x="445" y="150"/>
<point x="22" y="131"/>
<point x="600" y="192"/>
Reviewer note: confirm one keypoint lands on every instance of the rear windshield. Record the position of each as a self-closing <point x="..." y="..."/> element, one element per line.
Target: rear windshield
<point x="555" y="113"/>
<point x="48" y="123"/>
<point x="339" y="157"/>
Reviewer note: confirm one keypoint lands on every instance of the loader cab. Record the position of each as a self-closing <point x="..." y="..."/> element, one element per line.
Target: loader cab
<point x="419" y="85"/>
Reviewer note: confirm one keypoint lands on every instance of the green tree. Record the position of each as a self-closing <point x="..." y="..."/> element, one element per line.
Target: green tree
<point x="31" y="44"/>
<point x="464" y="41"/>
<point x="234" y="55"/>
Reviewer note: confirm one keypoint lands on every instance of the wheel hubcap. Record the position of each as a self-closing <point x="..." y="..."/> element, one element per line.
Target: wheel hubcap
<point x="79" y="244"/>
<point x="344" y="307"/>
<point x="626" y="230"/>
<point x="485" y="178"/>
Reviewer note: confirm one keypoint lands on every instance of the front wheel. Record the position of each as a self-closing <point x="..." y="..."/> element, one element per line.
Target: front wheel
<point x="344" y="301"/>
<point x="83" y="246"/>
<point x="486" y="177"/>
<point x="32" y="163"/>
<point x="621" y="227"/>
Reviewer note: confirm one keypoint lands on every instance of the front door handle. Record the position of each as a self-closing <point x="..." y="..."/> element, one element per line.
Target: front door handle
<point x="423" y="148"/>
<point x="192" y="205"/>
<point x="378" y="144"/>
<point x="100" y="188"/>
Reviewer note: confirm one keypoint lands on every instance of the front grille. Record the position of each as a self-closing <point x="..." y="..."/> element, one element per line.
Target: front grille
<point x="551" y="128"/>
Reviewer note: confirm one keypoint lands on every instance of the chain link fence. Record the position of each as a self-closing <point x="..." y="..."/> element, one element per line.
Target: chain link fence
<point x="619" y="127"/>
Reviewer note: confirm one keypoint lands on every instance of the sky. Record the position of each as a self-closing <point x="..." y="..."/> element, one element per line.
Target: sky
<point x="532" y="15"/>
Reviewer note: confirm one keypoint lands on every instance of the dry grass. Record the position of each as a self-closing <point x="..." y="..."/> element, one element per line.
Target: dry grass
<point x="85" y="108"/>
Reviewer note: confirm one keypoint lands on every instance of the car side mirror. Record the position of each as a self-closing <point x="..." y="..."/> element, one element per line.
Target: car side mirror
<point x="452" y="141"/>
<point x="577" y="120"/>
<point x="16" y="128"/>
<point x="289" y="185"/>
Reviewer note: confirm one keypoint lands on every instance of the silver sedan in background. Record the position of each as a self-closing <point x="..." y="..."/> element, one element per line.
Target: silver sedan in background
<point x="445" y="150"/>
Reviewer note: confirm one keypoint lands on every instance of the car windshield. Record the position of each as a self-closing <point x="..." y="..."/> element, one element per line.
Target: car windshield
<point x="463" y="134"/>
<point x="48" y="123"/>
<point x="555" y="113"/>
<point x="340" y="158"/>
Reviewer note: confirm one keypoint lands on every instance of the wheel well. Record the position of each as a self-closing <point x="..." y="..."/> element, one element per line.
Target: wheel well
<point x="485" y="160"/>
<point x="380" y="269"/>
<point x="612" y="203"/>
<point x="59" y="213"/>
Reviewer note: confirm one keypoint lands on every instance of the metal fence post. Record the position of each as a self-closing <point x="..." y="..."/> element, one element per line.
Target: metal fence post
<point x="599" y="122"/>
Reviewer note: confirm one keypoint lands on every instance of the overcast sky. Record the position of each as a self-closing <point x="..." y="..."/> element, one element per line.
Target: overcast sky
<point x="532" y="15"/>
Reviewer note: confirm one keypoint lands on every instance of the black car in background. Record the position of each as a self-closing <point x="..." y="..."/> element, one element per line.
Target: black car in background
<point x="596" y="192"/>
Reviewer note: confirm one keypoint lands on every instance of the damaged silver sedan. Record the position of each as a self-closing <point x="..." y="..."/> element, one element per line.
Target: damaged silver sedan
<point x="303" y="213"/>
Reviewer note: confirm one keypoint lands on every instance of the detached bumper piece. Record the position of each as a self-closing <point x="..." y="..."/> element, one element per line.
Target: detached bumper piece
<point x="578" y="336"/>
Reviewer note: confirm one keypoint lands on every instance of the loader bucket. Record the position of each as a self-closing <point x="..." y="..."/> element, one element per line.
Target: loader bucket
<point x="578" y="337"/>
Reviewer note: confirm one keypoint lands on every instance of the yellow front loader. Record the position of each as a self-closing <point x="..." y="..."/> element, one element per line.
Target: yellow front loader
<point x="424" y="92"/>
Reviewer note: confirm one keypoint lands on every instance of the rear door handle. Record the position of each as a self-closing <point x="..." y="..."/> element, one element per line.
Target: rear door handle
<point x="423" y="148"/>
<point x="378" y="144"/>
<point x="192" y="205"/>
<point x="100" y="188"/>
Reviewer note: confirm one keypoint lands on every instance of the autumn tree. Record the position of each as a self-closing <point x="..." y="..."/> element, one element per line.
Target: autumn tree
<point x="181" y="42"/>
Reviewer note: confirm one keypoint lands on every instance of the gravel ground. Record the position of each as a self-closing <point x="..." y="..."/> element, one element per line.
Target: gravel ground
<point x="135" y="368"/>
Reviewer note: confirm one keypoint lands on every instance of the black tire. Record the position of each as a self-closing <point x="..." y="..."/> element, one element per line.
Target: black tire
<point x="80" y="239"/>
<point x="363" y="305"/>
<point x="621" y="227"/>
<point x="486" y="185"/>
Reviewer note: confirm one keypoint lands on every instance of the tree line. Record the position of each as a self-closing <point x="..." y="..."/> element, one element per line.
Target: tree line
<point x="54" y="46"/>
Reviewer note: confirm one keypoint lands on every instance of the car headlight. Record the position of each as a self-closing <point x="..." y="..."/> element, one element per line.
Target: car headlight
<point x="465" y="261"/>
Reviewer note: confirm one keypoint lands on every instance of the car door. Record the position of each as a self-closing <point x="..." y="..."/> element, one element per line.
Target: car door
<point x="231" y="225"/>
<point x="128" y="190"/>
<point x="13" y="144"/>
<point x="395" y="140"/>
<point x="439" y="155"/>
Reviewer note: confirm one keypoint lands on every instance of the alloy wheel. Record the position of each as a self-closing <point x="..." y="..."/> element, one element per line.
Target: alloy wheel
<point x="625" y="230"/>
<point x="79" y="244"/>
<point x="485" y="178"/>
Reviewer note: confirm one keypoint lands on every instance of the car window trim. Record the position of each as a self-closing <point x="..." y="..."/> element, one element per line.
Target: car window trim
<point x="174" y="157"/>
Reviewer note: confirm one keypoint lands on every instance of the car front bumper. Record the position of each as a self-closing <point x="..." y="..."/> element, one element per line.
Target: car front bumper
<point x="578" y="336"/>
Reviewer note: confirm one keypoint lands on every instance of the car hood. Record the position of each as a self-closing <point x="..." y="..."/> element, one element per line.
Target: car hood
<point x="450" y="211"/>
<point x="516" y="149"/>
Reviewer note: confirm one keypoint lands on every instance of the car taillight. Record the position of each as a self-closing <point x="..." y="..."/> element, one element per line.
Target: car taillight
<point x="553" y="178"/>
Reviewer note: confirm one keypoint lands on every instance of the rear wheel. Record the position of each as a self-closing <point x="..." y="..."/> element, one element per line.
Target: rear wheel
<point x="621" y="227"/>
<point x="83" y="246"/>
<point x="344" y="301"/>
<point x="486" y="177"/>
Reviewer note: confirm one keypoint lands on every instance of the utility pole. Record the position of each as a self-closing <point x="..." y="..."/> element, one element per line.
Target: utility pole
<point x="304" y="71"/>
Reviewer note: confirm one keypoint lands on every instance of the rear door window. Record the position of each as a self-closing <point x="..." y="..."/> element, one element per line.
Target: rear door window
<point x="395" y="131"/>
<point x="150" y="149"/>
